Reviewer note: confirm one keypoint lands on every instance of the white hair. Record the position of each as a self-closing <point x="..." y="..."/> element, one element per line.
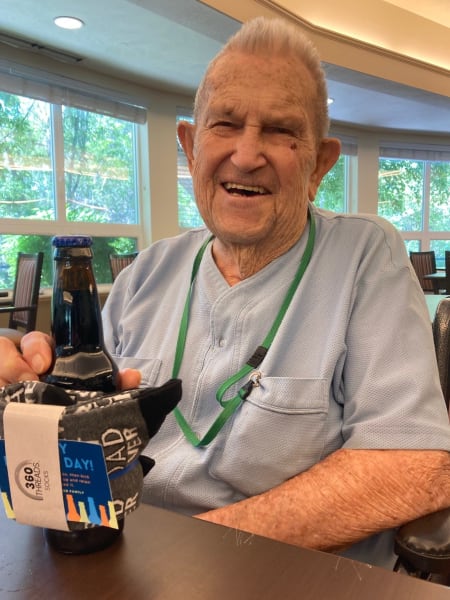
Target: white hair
<point x="275" y="37"/>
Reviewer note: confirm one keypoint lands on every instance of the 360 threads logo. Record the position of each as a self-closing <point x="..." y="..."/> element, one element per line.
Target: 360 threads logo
<point x="31" y="479"/>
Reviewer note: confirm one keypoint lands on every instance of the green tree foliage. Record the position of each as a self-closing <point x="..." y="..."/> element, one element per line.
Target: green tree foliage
<point x="405" y="188"/>
<point x="440" y="196"/>
<point x="331" y="192"/>
<point x="400" y="192"/>
<point x="99" y="177"/>
<point x="99" y="168"/>
<point x="25" y="159"/>
<point x="188" y="215"/>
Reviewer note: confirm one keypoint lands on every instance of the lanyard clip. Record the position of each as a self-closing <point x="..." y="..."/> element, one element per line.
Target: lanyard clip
<point x="252" y="382"/>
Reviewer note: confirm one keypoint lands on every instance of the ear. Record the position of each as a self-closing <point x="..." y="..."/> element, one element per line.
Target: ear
<point x="327" y="155"/>
<point x="186" y="134"/>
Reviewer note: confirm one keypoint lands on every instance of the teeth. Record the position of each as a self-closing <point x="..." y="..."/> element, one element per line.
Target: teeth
<point x="255" y="189"/>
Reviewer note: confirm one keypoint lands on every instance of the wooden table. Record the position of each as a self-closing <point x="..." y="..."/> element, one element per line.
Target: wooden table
<point x="166" y="556"/>
<point x="438" y="280"/>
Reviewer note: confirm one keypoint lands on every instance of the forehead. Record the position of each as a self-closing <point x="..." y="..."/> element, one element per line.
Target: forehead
<point x="272" y="81"/>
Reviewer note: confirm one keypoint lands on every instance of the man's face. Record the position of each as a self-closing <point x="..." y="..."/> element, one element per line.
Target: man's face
<point x="253" y="152"/>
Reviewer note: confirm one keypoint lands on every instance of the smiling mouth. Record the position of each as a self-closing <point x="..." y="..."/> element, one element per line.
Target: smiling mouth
<point x="236" y="189"/>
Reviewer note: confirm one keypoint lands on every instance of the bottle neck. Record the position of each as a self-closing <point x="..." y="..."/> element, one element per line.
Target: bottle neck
<point x="76" y="313"/>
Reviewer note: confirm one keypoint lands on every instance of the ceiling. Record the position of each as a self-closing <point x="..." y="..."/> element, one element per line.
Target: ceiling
<point x="167" y="44"/>
<point x="435" y="10"/>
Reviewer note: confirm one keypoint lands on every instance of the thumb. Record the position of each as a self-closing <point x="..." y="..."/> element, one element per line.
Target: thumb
<point x="129" y="378"/>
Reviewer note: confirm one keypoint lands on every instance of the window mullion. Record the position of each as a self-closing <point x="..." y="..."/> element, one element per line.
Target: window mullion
<point x="426" y="206"/>
<point x="58" y="163"/>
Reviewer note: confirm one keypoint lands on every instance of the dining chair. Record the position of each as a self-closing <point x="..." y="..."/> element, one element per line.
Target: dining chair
<point x="117" y="262"/>
<point x="424" y="263"/>
<point x="24" y="303"/>
<point x="446" y="282"/>
<point x="423" y="545"/>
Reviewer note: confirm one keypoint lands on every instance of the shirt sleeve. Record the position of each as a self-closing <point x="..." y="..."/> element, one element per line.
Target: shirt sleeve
<point x="392" y="392"/>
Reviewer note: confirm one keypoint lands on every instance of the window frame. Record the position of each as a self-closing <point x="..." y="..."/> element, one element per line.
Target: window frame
<point x="424" y="236"/>
<point x="59" y="224"/>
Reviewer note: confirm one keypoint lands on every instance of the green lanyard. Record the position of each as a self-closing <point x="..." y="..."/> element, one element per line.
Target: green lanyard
<point x="230" y="406"/>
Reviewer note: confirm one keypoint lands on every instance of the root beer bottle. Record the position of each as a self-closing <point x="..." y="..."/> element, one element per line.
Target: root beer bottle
<point x="81" y="360"/>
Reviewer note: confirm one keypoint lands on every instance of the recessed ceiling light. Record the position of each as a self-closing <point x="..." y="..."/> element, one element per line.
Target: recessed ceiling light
<point x="68" y="22"/>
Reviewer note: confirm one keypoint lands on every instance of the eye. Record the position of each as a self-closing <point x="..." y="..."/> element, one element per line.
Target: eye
<point x="223" y="124"/>
<point x="223" y="127"/>
<point x="278" y="130"/>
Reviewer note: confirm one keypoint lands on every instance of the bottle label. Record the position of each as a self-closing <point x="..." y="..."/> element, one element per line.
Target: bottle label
<point x="52" y="484"/>
<point x="32" y="458"/>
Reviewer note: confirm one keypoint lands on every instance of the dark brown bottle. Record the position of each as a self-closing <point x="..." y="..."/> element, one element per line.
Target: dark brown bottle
<point x="81" y="360"/>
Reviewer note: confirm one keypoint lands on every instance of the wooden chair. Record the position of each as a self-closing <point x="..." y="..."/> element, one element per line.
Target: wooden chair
<point x="117" y="262"/>
<point x="424" y="263"/>
<point x="23" y="308"/>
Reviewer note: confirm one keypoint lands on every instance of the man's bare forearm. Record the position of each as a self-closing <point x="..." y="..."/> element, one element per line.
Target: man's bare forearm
<point x="345" y="498"/>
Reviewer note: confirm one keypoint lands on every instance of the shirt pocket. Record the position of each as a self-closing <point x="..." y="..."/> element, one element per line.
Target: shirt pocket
<point x="279" y="431"/>
<point x="149" y="368"/>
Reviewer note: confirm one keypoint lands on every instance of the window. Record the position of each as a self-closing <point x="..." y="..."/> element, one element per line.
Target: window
<point x="332" y="192"/>
<point x="414" y="195"/>
<point x="64" y="169"/>
<point x="188" y="215"/>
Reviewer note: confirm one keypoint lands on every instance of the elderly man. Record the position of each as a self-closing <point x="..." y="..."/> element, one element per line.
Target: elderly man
<point x="311" y="409"/>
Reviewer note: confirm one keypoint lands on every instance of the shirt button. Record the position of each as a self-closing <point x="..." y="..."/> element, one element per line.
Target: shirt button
<point x="221" y="343"/>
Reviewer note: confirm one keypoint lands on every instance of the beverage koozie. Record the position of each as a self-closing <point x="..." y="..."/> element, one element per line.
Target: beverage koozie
<point x="122" y="423"/>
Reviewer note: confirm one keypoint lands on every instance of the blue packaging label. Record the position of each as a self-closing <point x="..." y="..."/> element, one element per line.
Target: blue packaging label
<point x="85" y="484"/>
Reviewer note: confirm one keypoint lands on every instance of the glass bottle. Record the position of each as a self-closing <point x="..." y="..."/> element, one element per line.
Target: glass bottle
<point x="81" y="361"/>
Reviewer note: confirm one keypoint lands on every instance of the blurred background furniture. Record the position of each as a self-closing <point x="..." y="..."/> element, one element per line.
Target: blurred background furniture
<point x="117" y="262"/>
<point x="447" y="272"/>
<point x="432" y="301"/>
<point x="424" y="263"/>
<point x="24" y="304"/>
<point x="438" y="281"/>
<point x="423" y="546"/>
<point x="441" y="335"/>
<point x="441" y="278"/>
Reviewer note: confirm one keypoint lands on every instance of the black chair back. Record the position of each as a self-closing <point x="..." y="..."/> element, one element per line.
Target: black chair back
<point x="423" y="545"/>
<point x="441" y="334"/>
<point x="23" y="308"/>
<point x="117" y="262"/>
<point x="447" y="272"/>
<point x="424" y="263"/>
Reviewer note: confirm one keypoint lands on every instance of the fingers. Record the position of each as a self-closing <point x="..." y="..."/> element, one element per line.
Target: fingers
<point x="12" y="365"/>
<point x="35" y="359"/>
<point x="37" y="351"/>
<point x="129" y="378"/>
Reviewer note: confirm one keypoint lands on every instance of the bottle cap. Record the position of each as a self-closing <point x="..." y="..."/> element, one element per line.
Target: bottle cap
<point x="72" y="241"/>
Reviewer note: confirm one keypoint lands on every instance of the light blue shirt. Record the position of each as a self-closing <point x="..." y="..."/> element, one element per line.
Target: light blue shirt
<point x="351" y="366"/>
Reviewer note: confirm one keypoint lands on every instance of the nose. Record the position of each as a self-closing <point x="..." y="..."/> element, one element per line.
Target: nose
<point x="249" y="149"/>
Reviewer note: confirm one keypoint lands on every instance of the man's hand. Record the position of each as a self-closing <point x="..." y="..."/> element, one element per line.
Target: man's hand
<point x="35" y="358"/>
